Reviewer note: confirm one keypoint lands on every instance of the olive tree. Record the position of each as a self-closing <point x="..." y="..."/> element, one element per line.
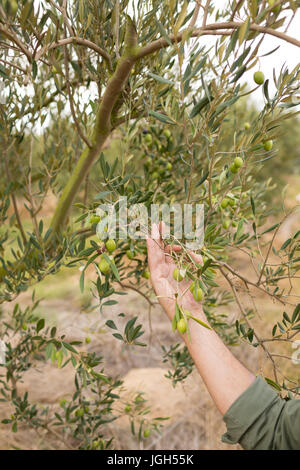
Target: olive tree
<point x="161" y="78"/>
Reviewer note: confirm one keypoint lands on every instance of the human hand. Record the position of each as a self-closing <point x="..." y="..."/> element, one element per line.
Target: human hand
<point x="162" y="265"/>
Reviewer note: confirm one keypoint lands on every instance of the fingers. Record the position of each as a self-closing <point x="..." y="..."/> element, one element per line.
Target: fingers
<point x="156" y="234"/>
<point x="178" y="248"/>
<point x="174" y="248"/>
<point x="155" y="246"/>
<point x="195" y="257"/>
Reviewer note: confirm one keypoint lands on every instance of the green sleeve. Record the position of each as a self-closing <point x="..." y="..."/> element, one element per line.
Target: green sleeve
<point x="259" y="419"/>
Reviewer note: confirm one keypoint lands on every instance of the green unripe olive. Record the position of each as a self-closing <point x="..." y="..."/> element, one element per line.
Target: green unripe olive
<point x="146" y="274"/>
<point x="259" y="77"/>
<point x="130" y="254"/>
<point x="238" y="162"/>
<point x="233" y="168"/>
<point x="54" y="70"/>
<point x="226" y="224"/>
<point x="139" y="399"/>
<point x="148" y="162"/>
<point x="181" y="326"/>
<point x="169" y="166"/>
<point x="127" y="409"/>
<point x="95" y="219"/>
<point x="13" y="6"/>
<point x="79" y="413"/>
<point x="111" y="245"/>
<point x="148" y="139"/>
<point x="147" y="433"/>
<point x="95" y="444"/>
<point x="86" y="409"/>
<point x="178" y="274"/>
<point x="197" y="293"/>
<point x="62" y="402"/>
<point x="167" y="133"/>
<point x="275" y="9"/>
<point x="268" y="144"/>
<point x="24" y="326"/>
<point x="88" y="340"/>
<point x="104" y="266"/>
<point x="224" y="203"/>
<point x="231" y="202"/>
<point x="155" y="175"/>
<point x="247" y="126"/>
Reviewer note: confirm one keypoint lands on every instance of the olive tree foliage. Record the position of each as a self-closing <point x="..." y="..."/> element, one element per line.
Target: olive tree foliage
<point x="163" y="77"/>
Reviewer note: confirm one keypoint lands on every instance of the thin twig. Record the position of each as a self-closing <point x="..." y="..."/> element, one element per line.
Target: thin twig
<point x="206" y="10"/>
<point x="128" y="286"/>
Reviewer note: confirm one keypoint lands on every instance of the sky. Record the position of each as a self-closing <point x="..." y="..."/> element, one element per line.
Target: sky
<point x="286" y="54"/>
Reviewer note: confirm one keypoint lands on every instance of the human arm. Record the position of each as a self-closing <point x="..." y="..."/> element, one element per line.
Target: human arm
<point x="224" y="376"/>
<point x="253" y="412"/>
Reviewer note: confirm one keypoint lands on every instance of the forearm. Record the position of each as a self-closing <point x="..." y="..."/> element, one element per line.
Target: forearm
<point x="224" y="376"/>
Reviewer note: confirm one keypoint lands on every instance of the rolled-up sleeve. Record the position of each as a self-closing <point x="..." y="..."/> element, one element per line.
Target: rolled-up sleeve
<point x="259" y="419"/>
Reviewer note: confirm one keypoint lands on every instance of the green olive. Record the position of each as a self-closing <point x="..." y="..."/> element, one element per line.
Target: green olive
<point x="181" y="326"/>
<point x="275" y="9"/>
<point x="178" y="274"/>
<point x="94" y="219"/>
<point x="104" y="266"/>
<point x="146" y="274"/>
<point x="268" y="144"/>
<point x="130" y="254"/>
<point x="167" y="133"/>
<point x="224" y="203"/>
<point x="148" y="139"/>
<point x="13" y="6"/>
<point x="197" y="292"/>
<point x="62" y="402"/>
<point x="238" y="162"/>
<point x="259" y="77"/>
<point x="233" y="168"/>
<point x="111" y="245"/>
<point x="226" y="224"/>
<point x="148" y="162"/>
